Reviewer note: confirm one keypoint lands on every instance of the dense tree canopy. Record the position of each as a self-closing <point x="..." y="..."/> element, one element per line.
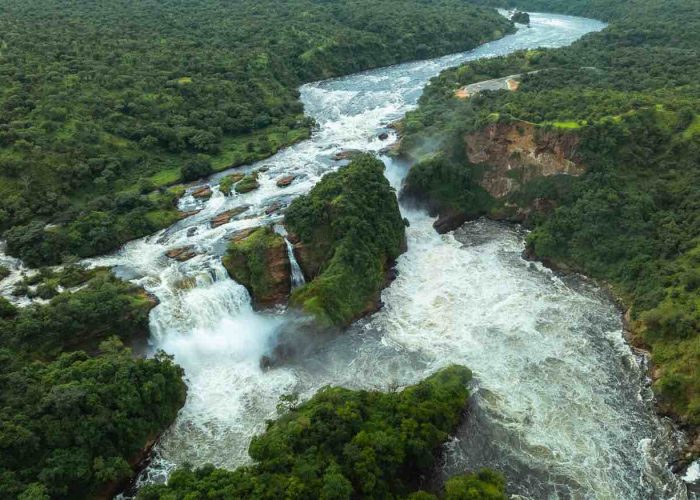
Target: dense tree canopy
<point x="351" y="231"/>
<point x="631" y="93"/>
<point x="71" y="426"/>
<point x="75" y="406"/>
<point x="103" y="102"/>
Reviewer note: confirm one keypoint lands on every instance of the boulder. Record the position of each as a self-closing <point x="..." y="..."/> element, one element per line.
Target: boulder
<point x="192" y="231"/>
<point x="247" y="184"/>
<point x="189" y="213"/>
<point x="225" y="217"/>
<point x="346" y="154"/>
<point x="450" y="220"/>
<point x="383" y="136"/>
<point x="227" y="182"/>
<point x="202" y="193"/>
<point x="275" y="207"/>
<point x="285" y="180"/>
<point x="181" y="254"/>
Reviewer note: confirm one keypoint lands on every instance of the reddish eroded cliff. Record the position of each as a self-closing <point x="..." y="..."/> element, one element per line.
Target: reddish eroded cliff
<point x="517" y="152"/>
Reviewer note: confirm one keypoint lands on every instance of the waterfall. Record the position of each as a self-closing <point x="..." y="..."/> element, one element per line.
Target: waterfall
<point x="297" y="274"/>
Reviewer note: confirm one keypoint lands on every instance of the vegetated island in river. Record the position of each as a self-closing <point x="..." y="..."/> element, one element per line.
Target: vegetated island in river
<point x="596" y="150"/>
<point x="347" y="233"/>
<point x="344" y="444"/>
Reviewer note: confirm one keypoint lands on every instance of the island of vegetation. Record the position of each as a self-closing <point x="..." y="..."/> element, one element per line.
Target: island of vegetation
<point x="597" y="151"/>
<point x="106" y="104"/>
<point x="348" y="232"/>
<point x="344" y="444"/>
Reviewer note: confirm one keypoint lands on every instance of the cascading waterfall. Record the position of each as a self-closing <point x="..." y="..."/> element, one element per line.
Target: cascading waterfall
<point x="297" y="275"/>
<point x="560" y="405"/>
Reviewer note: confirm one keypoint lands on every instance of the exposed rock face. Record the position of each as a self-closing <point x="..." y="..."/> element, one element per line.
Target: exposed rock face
<point x="181" y="254"/>
<point x="242" y="234"/>
<point x="274" y="207"/>
<point x="518" y="152"/>
<point x="258" y="260"/>
<point x="202" y="193"/>
<point x="306" y="257"/>
<point x="225" y="217"/>
<point x="285" y="180"/>
<point x="449" y="220"/>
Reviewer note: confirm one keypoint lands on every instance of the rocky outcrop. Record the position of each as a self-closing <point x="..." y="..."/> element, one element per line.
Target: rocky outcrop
<point x="225" y="217"/>
<point x="181" y="254"/>
<point x="449" y="220"/>
<point x="247" y="184"/>
<point x="258" y="260"/>
<point x="346" y="154"/>
<point x="515" y="153"/>
<point x="242" y="234"/>
<point x="202" y="193"/>
<point x="285" y="180"/>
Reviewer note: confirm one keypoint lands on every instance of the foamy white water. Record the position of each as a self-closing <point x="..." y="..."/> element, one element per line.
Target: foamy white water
<point x="560" y="404"/>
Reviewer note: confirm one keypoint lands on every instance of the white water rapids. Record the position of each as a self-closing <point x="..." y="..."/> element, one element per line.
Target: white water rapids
<point x="559" y="405"/>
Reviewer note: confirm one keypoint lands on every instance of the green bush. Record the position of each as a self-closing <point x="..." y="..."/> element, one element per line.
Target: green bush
<point x="196" y="169"/>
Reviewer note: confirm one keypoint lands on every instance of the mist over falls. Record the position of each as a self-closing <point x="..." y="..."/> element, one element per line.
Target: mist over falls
<point x="560" y="404"/>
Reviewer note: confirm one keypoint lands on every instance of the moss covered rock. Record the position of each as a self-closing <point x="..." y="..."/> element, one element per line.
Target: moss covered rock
<point x="247" y="184"/>
<point x="260" y="263"/>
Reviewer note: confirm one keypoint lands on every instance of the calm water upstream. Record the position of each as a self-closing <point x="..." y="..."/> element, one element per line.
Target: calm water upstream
<point x="559" y="401"/>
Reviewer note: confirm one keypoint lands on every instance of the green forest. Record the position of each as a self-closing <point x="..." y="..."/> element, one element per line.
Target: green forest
<point x="76" y="407"/>
<point x="631" y="95"/>
<point x="106" y="104"/>
<point x="107" y="109"/>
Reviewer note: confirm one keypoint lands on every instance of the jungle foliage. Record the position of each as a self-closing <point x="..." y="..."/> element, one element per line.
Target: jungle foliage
<point x="344" y="444"/>
<point x="351" y="231"/>
<point x="76" y="407"/>
<point x="632" y="95"/>
<point x="71" y="426"/>
<point x="103" y="103"/>
<point x="81" y="319"/>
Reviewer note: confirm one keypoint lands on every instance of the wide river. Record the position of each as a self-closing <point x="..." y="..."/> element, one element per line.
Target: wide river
<point x="560" y="402"/>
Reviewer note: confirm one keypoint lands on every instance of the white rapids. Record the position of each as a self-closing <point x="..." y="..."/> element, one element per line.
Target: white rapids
<point x="560" y="404"/>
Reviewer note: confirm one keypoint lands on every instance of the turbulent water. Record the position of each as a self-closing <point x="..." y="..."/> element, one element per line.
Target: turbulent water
<point x="559" y="404"/>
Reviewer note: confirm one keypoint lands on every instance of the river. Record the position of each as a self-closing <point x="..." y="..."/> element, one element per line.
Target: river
<point x="560" y="401"/>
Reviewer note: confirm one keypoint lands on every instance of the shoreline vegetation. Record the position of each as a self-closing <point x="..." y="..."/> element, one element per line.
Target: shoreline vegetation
<point x="596" y="152"/>
<point x="106" y="107"/>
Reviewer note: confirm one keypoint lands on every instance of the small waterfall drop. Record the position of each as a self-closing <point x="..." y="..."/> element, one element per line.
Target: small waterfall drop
<point x="297" y="274"/>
